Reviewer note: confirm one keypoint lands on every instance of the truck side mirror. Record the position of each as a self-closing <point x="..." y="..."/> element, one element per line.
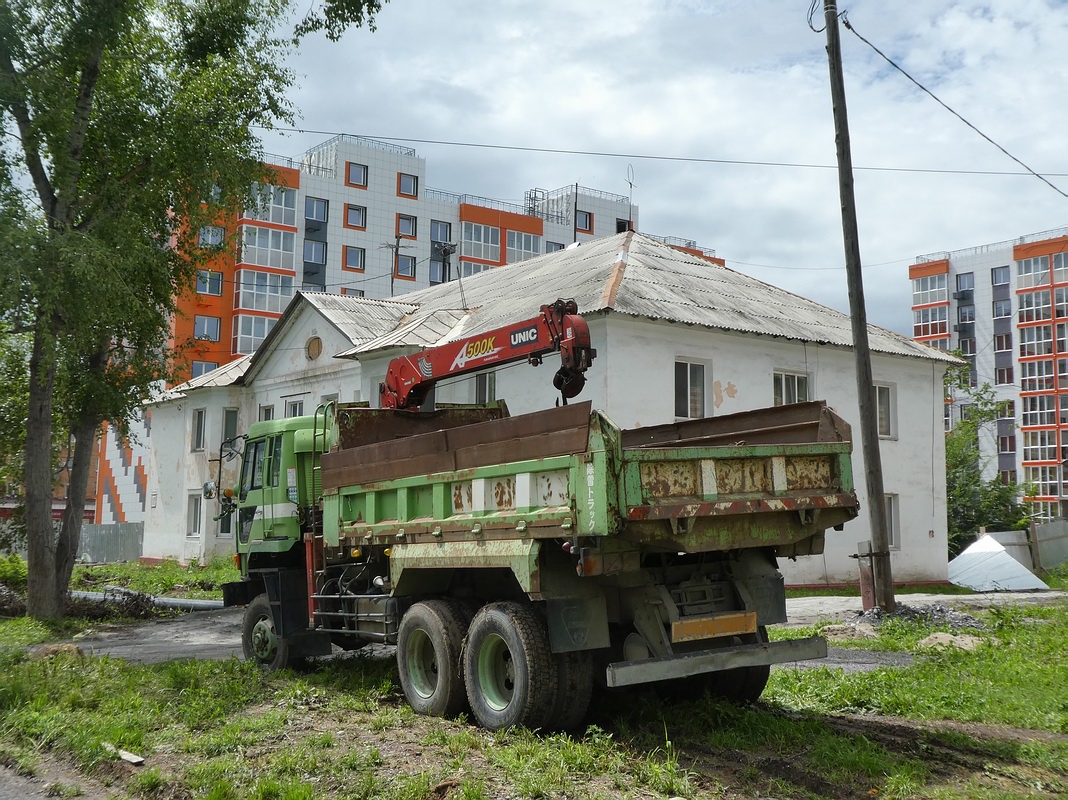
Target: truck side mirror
<point x="210" y="490"/>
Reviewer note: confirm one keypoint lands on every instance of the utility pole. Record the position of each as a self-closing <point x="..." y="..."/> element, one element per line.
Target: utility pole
<point x="396" y="247"/>
<point x="869" y="433"/>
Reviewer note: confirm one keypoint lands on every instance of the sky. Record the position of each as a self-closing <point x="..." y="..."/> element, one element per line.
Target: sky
<point x="669" y="93"/>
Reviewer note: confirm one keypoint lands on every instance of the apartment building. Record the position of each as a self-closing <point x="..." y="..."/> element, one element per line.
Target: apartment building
<point x="1004" y="306"/>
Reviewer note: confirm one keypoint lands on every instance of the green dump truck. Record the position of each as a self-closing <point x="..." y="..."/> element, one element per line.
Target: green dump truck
<point x="519" y="562"/>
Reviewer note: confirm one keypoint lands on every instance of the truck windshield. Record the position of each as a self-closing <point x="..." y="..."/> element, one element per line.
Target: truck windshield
<point x="252" y="468"/>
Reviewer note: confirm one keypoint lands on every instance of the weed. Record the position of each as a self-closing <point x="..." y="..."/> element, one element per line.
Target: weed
<point x="63" y="790"/>
<point x="148" y="783"/>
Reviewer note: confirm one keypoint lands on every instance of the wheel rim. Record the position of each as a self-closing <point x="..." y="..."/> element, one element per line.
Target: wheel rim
<point x="264" y="640"/>
<point x="496" y="673"/>
<point x="422" y="664"/>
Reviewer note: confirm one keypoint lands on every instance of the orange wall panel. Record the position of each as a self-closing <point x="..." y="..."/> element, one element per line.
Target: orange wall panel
<point x="501" y="219"/>
<point x="1046" y="247"/>
<point x="939" y="267"/>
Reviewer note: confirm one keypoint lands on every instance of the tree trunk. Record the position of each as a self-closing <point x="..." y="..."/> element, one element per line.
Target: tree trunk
<point x="42" y="600"/>
<point x="70" y="535"/>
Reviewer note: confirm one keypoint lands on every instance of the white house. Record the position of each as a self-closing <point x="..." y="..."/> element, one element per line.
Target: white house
<point x="676" y="336"/>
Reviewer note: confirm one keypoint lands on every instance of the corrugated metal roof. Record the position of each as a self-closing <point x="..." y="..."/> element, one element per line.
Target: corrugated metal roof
<point x="226" y="375"/>
<point x="641" y="277"/>
<point x="422" y="330"/>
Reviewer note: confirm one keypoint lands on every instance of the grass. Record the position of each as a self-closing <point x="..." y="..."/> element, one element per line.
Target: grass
<point x="167" y="579"/>
<point x="853" y="590"/>
<point x="1057" y="578"/>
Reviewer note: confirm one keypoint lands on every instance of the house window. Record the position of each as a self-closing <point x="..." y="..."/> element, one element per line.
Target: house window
<point x="584" y="221"/>
<point x="929" y="289"/>
<point x="1002" y="309"/>
<point x="1002" y="342"/>
<point x="274" y="204"/>
<point x="965" y="281"/>
<point x="405" y="266"/>
<point x="206" y="328"/>
<point x="315" y="209"/>
<point x="966" y="313"/>
<point x="884" y="404"/>
<point x="1003" y="376"/>
<point x="314" y="252"/>
<point x="356" y="175"/>
<point x="266" y="413"/>
<point x="263" y="291"/>
<point x="790" y="387"/>
<point x="355" y="217"/>
<point x="480" y="241"/>
<point x="893" y="534"/>
<point x="266" y="247"/>
<point x="689" y="390"/>
<point x="522" y="246"/>
<point x="249" y="332"/>
<point x="295" y="408"/>
<point x="230" y="418"/>
<point x="406" y="226"/>
<point x="203" y="367"/>
<point x="999" y="276"/>
<point x="440" y="231"/>
<point x="485" y="387"/>
<point x="354" y="258"/>
<point x="407" y="185"/>
<point x="197" y="431"/>
<point x="211" y="236"/>
<point x="194" y="515"/>
<point x="209" y="282"/>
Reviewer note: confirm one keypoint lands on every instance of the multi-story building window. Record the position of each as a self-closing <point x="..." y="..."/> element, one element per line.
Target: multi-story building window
<point x="1060" y="268"/>
<point x="1007" y="443"/>
<point x="967" y="346"/>
<point x="1002" y="342"/>
<point x="965" y="281"/>
<point x="314" y="252"/>
<point x="211" y="236"/>
<point x="1039" y="410"/>
<point x="1036" y="340"/>
<point x="689" y="389"/>
<point x="552" y="247"/>
<point x="263" y="291"/>
<point x="440" y="231"/>
<point x="266" y="247"/>
<point x="1062" y="409"/>
<point x="1062" y="337"/>
<point x="354" y="259"/>
<point x="469" y="268"/>
<point x="999" y="276"/>
<point x="405" y="266"/>
<point x="315" y="209"/>
<point x="206" y="328"/>
<point x="209" y="282"/>
<point x="355" y="217"/>
<point x="1044" y="479"/>
<point x="274" y="204"/>
<point x="1007" y="410"/>
<point x="789" y="387"/>
<point x="584" y="221"/>
<point x="249" y="332"/>
<point x="1036" y="376"/>
<point x="1007" y="477"/>
<point x="966" y="313"/>
<point x="1034" y="306"/>
<point x="929" y="289"/>
<point x="1032" y="272"/>
<point x="1060" y="302"/>
<point x="407" y="226"/>
<point x="480" y="241"/>
<point x="1003" y="376"/>
<point x="407" y="185"/>
<point x="1002" y="309"/>
<point x="356" y="175"/>
<point x="930" y="321"/>
<point x="522" y="246"/>
<point x="202" y="367"/>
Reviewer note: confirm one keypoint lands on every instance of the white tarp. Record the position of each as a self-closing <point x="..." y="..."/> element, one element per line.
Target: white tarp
<point x="986" y="567"/>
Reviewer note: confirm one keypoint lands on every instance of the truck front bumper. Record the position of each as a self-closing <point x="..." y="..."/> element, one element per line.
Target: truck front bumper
<point x="647" y="670"/>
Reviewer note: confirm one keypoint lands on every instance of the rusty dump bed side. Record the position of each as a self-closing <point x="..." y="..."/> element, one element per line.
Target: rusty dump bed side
<point x="461" y="446"/>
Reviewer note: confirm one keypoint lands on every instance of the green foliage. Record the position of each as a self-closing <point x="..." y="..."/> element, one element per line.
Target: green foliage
<point x="13" y="572"/>
<point x="166" y="579"/>
<point x="973" y="502"/>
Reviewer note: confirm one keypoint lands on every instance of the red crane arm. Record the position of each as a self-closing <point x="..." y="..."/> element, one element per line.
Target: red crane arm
<point x="559" y="328"/>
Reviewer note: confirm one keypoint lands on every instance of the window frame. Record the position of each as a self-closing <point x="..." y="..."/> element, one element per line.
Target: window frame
<point x="198" y="430"/>
<point x="402" y="219"/>
<point x="361" y="210"/>
<point x="205" y="335"/>
<point x="348" y="175"/>
<point x="207" y="278"/>
<point x="401" y="273"/>
<point x="198" y="368"/>
<point x="316" y="245"/>
<point x="412" y="180"/>
<point x="693" y="374"/>
<point x="779" y="387"/>
<point x="997" y="272"/>
<point x="194" y="522"/>
<point x="314" y="202"/>
<point x="889" y="392"/>
<point x="892" y="511"/>
<point x="346" y="250"/>
<point x="579" y="215"/>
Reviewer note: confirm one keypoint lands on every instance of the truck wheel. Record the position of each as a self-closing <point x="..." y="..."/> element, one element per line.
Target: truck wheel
<point x="429" y="642"/>
<point x="574" y="690"/>
<point x="259" y="641"/>
<point x="508" y="667"/>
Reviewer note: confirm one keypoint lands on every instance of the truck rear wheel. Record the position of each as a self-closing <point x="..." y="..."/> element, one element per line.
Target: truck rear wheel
<point x="508" y="667"/>
<point x="259" y="640"/>
<point x="574" y="690"/>
<point x="429" y="643"/>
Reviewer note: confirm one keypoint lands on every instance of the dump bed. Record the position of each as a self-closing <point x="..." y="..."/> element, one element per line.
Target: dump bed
<point x="776" y="477"/>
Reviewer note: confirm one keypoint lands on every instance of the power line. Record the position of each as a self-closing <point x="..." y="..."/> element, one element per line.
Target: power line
<point x="652" y="157"/>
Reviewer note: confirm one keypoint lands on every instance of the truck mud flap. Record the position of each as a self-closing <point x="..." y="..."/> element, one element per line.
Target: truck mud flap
<point x="647" y="670"/>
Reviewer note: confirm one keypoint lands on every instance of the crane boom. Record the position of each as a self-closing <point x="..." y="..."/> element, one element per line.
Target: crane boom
<point x="558" y="328"/>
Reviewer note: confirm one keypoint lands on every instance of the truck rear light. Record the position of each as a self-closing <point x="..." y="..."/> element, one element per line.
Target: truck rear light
<point x="589" y="563"/>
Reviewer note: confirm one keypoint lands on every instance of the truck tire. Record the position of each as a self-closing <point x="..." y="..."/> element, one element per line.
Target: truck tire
<point x="508" y="667"/>
<point x="574" y="690"/>
<point x="429" y="643"/>
<point x="259" y="642"/>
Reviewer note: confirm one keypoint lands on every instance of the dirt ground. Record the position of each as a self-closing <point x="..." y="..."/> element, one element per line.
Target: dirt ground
<point x="216" y="634"/>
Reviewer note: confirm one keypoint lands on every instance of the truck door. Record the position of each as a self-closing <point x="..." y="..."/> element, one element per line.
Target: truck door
<point x="256" y="517"/>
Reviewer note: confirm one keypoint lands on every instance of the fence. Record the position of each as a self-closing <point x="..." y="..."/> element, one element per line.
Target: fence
<point x="111" y="543"/>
